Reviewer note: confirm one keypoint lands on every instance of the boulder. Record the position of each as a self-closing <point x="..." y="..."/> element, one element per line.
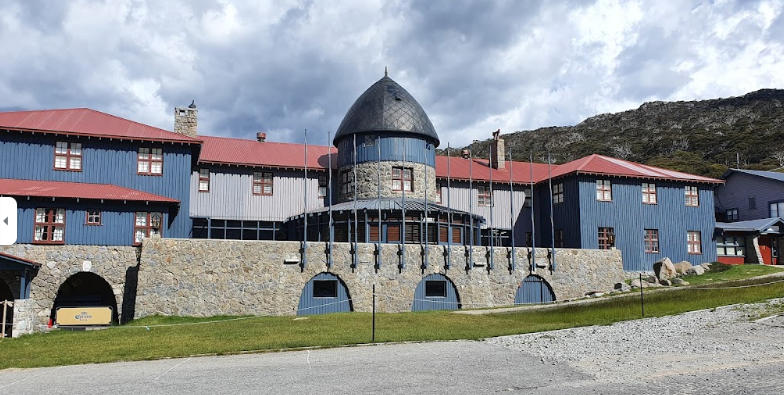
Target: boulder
<point x="664" y="269"/>
<point x="679" y="282"/>
<point x="635" y="283"/>
<point x="705" y="266"/>
<point x="652" y="280"/>
<point x="622" y="287"/>
<point x="696" y="271"/>
<point x="682" y="267"/>
<point x="665" y="283"/>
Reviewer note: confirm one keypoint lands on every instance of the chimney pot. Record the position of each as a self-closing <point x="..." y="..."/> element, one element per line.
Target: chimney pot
<point x="261" y="137"/>
<point x="465" y="153"/>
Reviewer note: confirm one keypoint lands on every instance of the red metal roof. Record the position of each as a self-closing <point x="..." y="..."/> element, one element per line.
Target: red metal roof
<point x="18" y="259"/>
<point x="74" y="190"/>
<point x="462" y="169"/>
<point x="232" y="151"/>
<point x="604" y="165"/>
<point x="87" y="122"/>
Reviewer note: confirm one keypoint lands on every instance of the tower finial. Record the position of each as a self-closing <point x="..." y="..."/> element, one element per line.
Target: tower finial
<point x="385" y="72"/>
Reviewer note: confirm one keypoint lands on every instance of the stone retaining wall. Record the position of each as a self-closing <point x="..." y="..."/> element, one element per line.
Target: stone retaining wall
<point x="212" y="277"/>
<point x="112" y="263"/>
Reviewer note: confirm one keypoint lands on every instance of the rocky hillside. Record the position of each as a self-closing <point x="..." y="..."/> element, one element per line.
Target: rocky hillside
<point x="704" y="137"/>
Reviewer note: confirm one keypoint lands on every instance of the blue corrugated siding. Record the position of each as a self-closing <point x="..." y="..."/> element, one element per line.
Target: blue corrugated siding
<point x="739" y="187"/>
<point x="308" y="305"/>
<point x="391" y="150"/>
<point x="422" y="302"/>
<point x="534" y="289"/>
<point x="31" y="156"/>
<point x="117" y="221"/>
<point x="566" y="215"/>
<point x="630" y="217"/>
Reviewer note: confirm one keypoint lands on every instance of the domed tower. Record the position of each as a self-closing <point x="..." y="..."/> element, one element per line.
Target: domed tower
<point x="387" y="121"/>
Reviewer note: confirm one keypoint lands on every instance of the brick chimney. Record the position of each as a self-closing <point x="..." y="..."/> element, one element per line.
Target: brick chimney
<point x="261" y="137"/>
<point x="185" y="120"/>
<point x="498" y="151"/>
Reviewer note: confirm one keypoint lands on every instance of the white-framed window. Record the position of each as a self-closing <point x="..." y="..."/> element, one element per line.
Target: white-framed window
<point x="777" y="209"/>
<point x="93" y="217"/>
<point x="694" y="242"/>
<point x="68" y="156"/>
<point x="485" y="195"/>
<point x="603" y="190"/>
<point x="204" y="180"/>
<point x="692" y="196"/>
<point x="150" y="161"/>
<point x="731" y="215"/>
<point x="322" y="186"/>
<point x="648" y="193"/>
<point x="403" y="179"/>
<point x="49" y="226"/>
<point x="263" y="182"/>
<point x="558" y="193"/>
<point x="146" y="224"/>
<point x="731" y="245"/>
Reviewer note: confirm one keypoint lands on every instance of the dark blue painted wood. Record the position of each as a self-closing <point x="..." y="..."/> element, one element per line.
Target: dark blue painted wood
<point x="31" y="156"/>
<point x="308" y="305"/>
<point x="117" y="220"/>
<point x="534" y="289"/>
<point x="739" y="187"/>
<point x="391" y="150"/>
<point x="422" y="302"/>
<point x="630" y="217"/>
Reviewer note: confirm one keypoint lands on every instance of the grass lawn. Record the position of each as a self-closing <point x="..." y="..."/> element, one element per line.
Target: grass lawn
<point x="720" y="272"/>
<point x="163" y="337"/>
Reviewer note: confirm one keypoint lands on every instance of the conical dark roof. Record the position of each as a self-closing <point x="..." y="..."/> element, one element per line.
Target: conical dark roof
<point x="386" y="107"/>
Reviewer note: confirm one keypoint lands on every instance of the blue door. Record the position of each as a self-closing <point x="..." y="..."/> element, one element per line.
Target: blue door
<point x="324" y="293"/>
<point x="435" y="292"/>
<point x="534" y="290"/>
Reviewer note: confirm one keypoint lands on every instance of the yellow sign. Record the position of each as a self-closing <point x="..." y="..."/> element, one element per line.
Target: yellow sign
<point x="83" y="316"/>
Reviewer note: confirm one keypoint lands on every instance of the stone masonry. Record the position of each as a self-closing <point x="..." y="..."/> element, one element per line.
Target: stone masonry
<point x="212" y="277"/>
<point x="232" y="277"/>
<point x="367" y="180"/>
<point x="114" y="264"/>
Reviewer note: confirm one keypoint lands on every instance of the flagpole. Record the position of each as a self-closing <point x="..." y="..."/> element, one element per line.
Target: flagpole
<point x="490" y="230"/>
<point x="305" y="206"/>
<point x="552" y="225"/>
<point x="448" y="206"/>
<point x="511" y="208"/>
<point x="329" y="195"/>
<point x="471" y="207"/>
<point x="426" y="214"/>
<point x="533" y="222"/>
<point x="356" y="223"/>
<point x="402" y="263"/>
<point x="378" y="175"/>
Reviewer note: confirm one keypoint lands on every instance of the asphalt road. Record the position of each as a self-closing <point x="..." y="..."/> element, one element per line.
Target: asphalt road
<point x="460" y="367"/>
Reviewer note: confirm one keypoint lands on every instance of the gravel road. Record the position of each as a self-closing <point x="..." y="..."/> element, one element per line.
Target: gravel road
<point x="727" y="350"/>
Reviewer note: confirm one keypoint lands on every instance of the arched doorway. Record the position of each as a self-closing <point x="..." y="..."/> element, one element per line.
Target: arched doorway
<point x="85" y="289"/>
<point x="324" y="293"/>
<point x="435" y="292"/>
<point x="534" y="289"/>
<point x="6" y="294"/>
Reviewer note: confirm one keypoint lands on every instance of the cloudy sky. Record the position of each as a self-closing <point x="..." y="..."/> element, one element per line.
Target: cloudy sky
<point x="283" y="66"/>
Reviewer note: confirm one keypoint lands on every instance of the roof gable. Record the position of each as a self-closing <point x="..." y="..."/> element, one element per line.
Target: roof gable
<point x="771" y="175"/>
<point x="87" y="122"/>
<point x="604" y="165"/>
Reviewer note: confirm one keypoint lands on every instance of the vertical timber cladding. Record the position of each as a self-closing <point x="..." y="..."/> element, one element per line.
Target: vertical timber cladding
<point x="233" y="277"/>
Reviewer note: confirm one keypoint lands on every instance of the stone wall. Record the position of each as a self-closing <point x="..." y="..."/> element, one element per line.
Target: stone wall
<point x="25" y="317"/>
<point x="212" y="277"/>
<point x="367" y="180"/>
<point x="112" y="263"/>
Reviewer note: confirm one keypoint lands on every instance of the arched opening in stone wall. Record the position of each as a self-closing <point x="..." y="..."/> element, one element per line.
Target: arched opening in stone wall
<point x="324" y="293"/>
<point x="436" y="292"/>
<point x="534" y="289"/>
<point x="85" y="289"/>
<point x="6" y="295"/>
